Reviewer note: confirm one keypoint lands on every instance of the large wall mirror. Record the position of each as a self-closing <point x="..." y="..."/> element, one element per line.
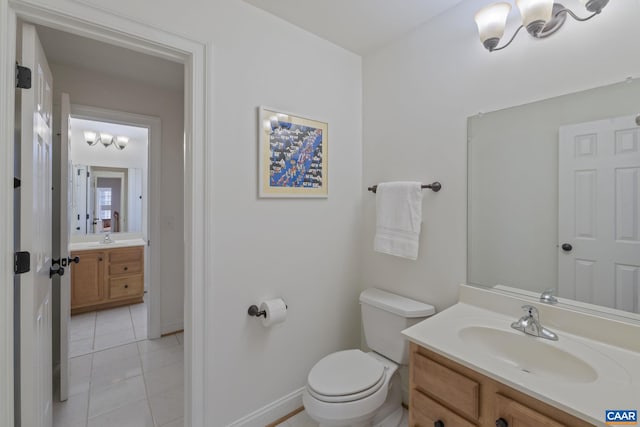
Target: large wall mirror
<point x="109" y="164"/>
<point x="554" y="197"/>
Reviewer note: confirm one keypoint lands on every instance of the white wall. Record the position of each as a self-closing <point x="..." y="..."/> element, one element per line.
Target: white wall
<point x="91" y="88"/>
<point x="418" y="93"/>
<point x="303" y="250"/>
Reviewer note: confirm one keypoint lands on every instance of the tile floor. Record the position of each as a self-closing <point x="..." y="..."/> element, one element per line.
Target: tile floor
<point x="139" y="384"/>
<point x="119" y="378"/>
<point x="90" y="332"/>
<point x="299" y="420"/>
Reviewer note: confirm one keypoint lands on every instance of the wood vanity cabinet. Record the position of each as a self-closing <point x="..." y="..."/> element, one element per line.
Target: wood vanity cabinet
<point x="443" y="393"/>
<point x="107" y="278"/>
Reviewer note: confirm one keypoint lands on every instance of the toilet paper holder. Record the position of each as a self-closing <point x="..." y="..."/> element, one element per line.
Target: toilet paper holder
<point x="255" y="311"/>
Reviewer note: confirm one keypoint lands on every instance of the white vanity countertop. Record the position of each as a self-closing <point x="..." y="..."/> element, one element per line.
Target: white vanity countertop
<point x="617" y="385"/>
<point x="118" y="243"/>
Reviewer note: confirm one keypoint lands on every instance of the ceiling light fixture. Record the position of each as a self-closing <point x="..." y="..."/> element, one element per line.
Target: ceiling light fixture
<point x="92" y="138"/>
<point x="541" y="18"/>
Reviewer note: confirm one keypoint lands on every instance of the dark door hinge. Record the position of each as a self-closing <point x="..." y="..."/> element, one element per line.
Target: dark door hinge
<point x="22" y="262"/>
<point x="23" y="77"/>
<point x="16" y="182"/>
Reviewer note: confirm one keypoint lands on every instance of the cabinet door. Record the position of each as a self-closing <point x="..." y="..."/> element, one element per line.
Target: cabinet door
<point x="519" y="415"/>
<point x="87" y="279"/>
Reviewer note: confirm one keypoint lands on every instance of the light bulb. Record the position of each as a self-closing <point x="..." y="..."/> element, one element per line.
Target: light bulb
<point x="106" y="139"/>
<point x="535" y="14"/>
<point x="90" y="137"/>
<point x="491" y="21"/>
<point x="121" y="142"/>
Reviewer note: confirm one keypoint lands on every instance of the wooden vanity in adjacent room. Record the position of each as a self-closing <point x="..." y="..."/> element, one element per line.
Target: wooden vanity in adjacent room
<point x="444" y="393"/>
<point x="107" y="277"/>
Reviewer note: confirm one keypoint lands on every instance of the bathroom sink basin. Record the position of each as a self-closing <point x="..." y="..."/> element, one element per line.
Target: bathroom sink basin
<point x="528" y="354"/>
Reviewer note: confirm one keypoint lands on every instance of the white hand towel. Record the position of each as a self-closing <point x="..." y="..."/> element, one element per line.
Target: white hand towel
<point x="398" y="218"/>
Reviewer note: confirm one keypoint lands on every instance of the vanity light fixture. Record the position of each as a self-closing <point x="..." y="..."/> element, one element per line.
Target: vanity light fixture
<point x="93" y="138"/>
<point x="541" y="18"/>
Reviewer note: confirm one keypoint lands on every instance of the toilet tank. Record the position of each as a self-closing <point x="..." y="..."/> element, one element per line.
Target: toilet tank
<point x="384" y="316"/>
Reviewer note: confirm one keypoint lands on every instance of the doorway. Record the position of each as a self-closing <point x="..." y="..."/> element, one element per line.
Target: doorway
<point x="194" y="148"/>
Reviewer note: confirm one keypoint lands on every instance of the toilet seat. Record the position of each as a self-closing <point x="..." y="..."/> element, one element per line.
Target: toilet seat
<point x="345" y="376"/>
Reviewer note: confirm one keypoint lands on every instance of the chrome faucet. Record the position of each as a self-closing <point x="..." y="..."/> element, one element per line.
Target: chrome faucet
<point x="107" y="238"/>
<point x="530" y="324"/>
<point x="547" y="297"/>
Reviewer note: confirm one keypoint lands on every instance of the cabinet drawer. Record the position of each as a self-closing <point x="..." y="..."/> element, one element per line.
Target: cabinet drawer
<point x="517" y="414"/>
<point x="427" y="412"/>
<point x="460" y="392"/>
<point x="134" y="254"/>
<point x="127" y="267"/>
<point x="124" y="287"/>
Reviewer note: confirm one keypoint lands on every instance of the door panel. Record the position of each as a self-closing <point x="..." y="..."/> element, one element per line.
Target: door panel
<point x="599" y="213"/>
<point x="35" y="237"/>
<point x="88" y="279"/>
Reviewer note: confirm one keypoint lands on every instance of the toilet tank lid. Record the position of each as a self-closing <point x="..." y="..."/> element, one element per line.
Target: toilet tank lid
<point x="396" y="304"/>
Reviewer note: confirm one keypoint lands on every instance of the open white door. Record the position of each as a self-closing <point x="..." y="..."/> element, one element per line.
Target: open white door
<point x="35" y="237"/>
<point x="599" y="213"/>
<point x="66" y="188"/>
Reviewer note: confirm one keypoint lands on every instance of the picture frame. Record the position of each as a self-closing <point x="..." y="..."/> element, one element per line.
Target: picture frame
<point x="292" y="155"/>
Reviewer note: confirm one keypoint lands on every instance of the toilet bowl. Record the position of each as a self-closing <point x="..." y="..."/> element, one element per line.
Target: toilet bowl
<point x="351" y="388"/>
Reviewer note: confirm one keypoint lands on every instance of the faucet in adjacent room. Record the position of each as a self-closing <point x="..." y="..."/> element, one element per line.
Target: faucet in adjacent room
<point x="530" y="324"/>
<point x="107" y="238"/>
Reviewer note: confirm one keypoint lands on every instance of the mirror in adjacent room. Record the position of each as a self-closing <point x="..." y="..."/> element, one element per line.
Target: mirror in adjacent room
<point x="554" y="198"/>
<point x="109" y="177"/>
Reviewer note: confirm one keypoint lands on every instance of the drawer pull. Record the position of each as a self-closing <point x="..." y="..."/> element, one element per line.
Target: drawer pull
<point x="501" y="422"/>
<point x="126" y="268"/>
<point x="438" y="423"/>
<point x="126" y="286"/>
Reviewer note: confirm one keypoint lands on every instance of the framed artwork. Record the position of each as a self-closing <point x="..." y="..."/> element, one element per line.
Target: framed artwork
<point x="292" y="155"/>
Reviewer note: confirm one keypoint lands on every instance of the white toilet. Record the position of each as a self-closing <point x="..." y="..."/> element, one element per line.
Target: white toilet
<point x="352" y="388"/>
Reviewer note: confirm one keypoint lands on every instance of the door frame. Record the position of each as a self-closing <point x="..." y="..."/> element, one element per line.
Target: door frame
<point x="90" y="21"/>
<point x="151" y="208"/>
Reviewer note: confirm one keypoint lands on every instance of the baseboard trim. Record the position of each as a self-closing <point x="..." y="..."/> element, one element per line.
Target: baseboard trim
<point x="286" y="417"/>
<point x="276" y="410"/>
<point x="169" y="328"/>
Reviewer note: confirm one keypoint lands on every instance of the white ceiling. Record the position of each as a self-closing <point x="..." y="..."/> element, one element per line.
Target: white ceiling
<point x="76" y="51"/>
<point x="360" y="26"/>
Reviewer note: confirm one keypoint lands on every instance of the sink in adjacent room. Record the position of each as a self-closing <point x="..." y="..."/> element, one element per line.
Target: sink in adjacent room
<point x="528" y="354"/>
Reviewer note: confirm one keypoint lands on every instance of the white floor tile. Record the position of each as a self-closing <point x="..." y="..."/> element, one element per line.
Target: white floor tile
<point x="158" y="344"/>
<point x="106" y="357"/>
<point x="73" y="412"/>
<point x="141" y="333"/>
<point x="114" y="339"/>
<point x="80" y="347"/>
<point x="176" y="423"/>
<point x="105" y="399"/>
<point x="163" y="357"/>
<point x="167" y="406"/>
<point x="165" y="378"/>
<point x="79" y="374"/>
<point x="116" y="371"/>
<point x="136" y="414"/>
<point x="108" y="327"/>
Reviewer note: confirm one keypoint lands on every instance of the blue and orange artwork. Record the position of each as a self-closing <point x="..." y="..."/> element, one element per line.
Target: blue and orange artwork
<point x="295" y="155"/>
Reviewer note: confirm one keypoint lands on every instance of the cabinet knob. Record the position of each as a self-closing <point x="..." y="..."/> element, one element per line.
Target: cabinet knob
<point x="100" y="259"/>
<point x="438" y="423"/>
<point x="126" y="286"/>
<point x="501" y="422"/>
<point x="126" y="268"/>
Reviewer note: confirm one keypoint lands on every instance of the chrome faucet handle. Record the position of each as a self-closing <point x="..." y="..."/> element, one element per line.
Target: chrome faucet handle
<point x="547" y="297"/>
<point x="532" y="311"/>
